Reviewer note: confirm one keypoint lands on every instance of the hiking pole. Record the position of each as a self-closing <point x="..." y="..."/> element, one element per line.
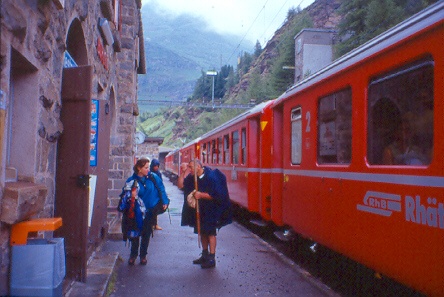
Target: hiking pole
<point x="197" y="205"/>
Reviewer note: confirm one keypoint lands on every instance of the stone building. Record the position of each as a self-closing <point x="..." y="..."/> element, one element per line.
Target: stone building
<point x="150" y="147"/>
<point x="313" y="51"/>
<point x="68" y="107"/>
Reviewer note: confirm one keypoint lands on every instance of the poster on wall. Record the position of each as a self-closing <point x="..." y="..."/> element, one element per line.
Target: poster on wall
<point x="94" y="132"/>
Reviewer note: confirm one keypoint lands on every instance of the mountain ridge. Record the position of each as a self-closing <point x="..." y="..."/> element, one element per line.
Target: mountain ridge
<point x="177" y="50"/>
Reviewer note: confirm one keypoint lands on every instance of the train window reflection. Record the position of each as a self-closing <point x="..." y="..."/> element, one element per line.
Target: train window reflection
<point x="335" y="128"/>
<point x="209" y="152"/>
<point x="204" y="153"/>
<point x="400" y="119"/>
<point x="219" y="150"/>
<point x="214" y="152"/>
<point x="235" y="139"/>
<point x="244" y="145"/>
<point x="296" y="136"/>
<point x="226" y="149"/>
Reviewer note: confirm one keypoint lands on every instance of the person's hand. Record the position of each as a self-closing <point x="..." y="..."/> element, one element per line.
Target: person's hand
<point x="184" y="167"/>
<point x="201" y="195"/>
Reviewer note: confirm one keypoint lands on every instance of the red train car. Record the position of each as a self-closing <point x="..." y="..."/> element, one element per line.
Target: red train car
<point x="178" y="156"/>
<point x="352" y="156"/>
<point x="241" y="148"/>
<point x="361" y="151"/>
<point x="172" y="162"/>
<point x="189" y="151"/>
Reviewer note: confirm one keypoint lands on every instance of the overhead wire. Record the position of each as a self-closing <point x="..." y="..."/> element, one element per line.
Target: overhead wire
<point x="251" y="26"/>
<point x="274" y="19"/>
<point x="248" y="31"/>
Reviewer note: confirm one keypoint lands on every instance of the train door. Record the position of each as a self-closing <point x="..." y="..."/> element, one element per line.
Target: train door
<point x="254" y="184"/>
<point x="265" y="162"/>
<point x="277" y="176"/>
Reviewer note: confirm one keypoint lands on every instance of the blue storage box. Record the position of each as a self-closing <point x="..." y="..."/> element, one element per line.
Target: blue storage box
<point x="38" y="268"/>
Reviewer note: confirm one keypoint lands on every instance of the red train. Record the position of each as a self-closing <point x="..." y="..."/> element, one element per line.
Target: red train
<point x="352" y="156"/>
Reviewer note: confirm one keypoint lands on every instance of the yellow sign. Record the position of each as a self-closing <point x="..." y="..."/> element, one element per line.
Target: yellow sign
<point x="263" y="125"/>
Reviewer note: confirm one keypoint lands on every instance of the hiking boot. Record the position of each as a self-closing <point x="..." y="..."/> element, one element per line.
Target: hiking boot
<point x="208" y="263"/>
<point x="201" y="259"/>
<point x="131" y="261"/>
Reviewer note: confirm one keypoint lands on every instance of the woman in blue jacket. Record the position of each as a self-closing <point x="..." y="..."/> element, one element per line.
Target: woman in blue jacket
<point x="151" y="190"/>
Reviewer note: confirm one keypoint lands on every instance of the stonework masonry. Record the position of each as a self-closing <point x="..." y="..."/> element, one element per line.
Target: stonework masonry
<point x="35" y="39"/>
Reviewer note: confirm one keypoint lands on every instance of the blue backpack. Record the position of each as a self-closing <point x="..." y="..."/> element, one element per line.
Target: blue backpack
<point x="226" y="211"/>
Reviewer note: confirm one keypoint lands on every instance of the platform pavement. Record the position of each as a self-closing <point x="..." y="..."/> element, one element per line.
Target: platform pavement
<point x="103" y="267"/>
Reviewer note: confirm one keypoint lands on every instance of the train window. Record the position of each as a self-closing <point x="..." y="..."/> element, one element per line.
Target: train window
<point x="226" y="149"/>
<point x="235" y="139"/>
<point x="204" y="153"/>
<point x="209" y="152"/>
<point x="400" y="116"/>
<point x="214" y="152"/>
<point x="219" y="148"/>
<point x="296" y="136"/>
<point x="244" y="145"/>
<point x="335" y="128"/>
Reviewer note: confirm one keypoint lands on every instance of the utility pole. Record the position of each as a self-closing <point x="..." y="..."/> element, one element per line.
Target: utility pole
<point x="213" y="74"/>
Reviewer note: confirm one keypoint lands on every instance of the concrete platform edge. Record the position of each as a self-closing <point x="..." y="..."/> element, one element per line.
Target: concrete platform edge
<point x="101" y="270"/>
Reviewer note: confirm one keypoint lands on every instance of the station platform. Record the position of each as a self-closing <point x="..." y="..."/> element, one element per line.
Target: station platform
<point x="245" y="265"/>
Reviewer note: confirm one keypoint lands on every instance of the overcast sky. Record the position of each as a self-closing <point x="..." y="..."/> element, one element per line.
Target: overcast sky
<point x="249" y="19"/>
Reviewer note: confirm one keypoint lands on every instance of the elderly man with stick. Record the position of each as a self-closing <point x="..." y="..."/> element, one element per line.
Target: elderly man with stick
<point x="212" y="210"/>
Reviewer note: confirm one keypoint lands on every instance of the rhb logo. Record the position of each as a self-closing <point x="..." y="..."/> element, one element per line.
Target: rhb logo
<point x="429" y="212"/>
<point x="379" y="203"/>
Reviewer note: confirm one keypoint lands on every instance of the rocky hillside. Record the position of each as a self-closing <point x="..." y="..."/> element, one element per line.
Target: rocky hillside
<point x="323" y="16"/>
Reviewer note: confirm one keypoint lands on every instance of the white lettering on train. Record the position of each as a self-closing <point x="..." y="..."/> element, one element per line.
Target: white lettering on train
<point x="428" y="214"/>
<point x="380" y="203"/>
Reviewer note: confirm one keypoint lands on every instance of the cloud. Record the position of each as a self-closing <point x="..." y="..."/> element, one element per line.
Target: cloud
<point x="256" y="20"/>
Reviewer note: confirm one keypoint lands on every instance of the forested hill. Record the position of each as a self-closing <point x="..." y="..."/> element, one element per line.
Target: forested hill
<point x="261" y="76"/>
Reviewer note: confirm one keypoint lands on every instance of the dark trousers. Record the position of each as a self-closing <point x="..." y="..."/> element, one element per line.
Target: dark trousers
<point x="143" y="240"/>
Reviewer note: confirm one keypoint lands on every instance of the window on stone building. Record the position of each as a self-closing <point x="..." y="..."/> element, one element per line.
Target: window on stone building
<point x="22" y="117"/>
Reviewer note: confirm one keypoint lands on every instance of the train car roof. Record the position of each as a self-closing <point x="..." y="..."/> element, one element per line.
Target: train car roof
<point x="190" y="143"/>
<point x="245" y="115"/>
<point x="431" y="15"/>
<point x="172" y="152"/>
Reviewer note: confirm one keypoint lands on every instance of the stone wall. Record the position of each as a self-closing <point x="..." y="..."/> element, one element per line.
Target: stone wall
<point x="32" y="47"/>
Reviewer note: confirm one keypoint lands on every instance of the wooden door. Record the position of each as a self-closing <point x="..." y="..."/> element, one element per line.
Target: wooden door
<point x="72" y="179"/>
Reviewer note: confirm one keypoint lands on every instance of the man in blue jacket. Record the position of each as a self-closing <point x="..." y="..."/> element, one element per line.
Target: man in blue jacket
<point x="214" y="206"/>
